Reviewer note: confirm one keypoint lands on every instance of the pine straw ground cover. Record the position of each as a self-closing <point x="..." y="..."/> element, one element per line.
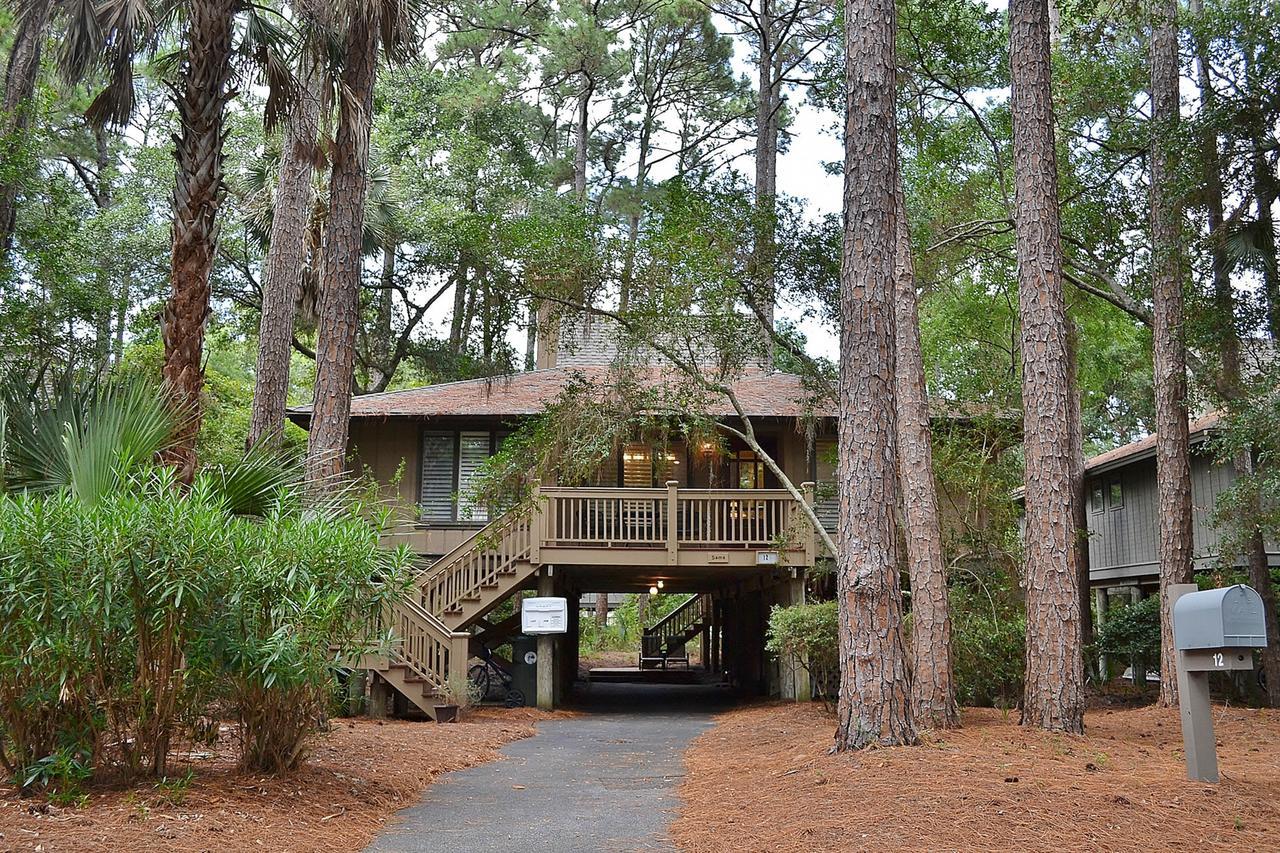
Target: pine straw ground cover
<point x="358" y="775"/>
<point x="762" y="780"/>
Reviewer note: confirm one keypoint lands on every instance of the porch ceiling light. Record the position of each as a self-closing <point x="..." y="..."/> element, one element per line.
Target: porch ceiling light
<point x="660" y="584"/>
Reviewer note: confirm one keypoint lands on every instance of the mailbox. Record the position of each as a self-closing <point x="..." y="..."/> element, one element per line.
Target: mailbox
<point x="544" y="615"/>
<point x="1228" y="618"/>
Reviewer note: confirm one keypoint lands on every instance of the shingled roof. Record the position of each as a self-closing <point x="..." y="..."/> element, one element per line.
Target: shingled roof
<point x="1146" y="447"/>
<point x="761" y="394"/>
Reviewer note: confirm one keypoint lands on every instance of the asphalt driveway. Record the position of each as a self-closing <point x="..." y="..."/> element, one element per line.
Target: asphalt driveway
<point x="603" y="781"/>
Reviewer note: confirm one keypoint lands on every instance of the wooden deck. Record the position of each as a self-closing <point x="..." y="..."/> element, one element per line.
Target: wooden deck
<point x="694" y="537"/>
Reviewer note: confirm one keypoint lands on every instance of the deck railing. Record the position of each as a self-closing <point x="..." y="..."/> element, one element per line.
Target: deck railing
<point x="673" y="518"/>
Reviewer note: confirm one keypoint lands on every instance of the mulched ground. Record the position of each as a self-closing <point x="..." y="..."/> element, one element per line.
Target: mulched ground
<point x="762" y="780"/>
<point x="358" y="775"/>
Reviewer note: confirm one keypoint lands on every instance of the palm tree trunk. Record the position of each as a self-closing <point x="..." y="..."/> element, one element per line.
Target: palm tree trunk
<point x="286" y="257"/>
<point x="197" y="197"/>
<point x="875" y="704"/>
<point x="340" y="296"/>
<point x="1173" y="444"/>
<point x="1054" y="689"/>
<point x="19" y="85"/>
<point x="933" y="695"/>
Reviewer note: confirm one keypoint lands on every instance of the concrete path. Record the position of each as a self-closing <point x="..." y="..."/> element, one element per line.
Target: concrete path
<point x="604" y="781"/>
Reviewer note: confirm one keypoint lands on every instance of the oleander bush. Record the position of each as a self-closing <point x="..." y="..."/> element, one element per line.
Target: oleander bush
<point x="131" y="604"/>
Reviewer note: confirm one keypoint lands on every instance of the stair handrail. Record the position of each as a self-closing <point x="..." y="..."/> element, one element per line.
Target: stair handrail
<point x="499" y="540"/>
<point x="463" y="547"/>
<point x="694" y="608"/>
<point x="430" y="656"/>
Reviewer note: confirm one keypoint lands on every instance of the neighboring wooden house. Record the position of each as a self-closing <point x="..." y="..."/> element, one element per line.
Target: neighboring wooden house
<point x="1123" y="519"/>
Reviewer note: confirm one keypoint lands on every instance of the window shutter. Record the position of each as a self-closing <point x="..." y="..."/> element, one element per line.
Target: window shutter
<point x="437" y="476"/>
<point x="473" y="450"/>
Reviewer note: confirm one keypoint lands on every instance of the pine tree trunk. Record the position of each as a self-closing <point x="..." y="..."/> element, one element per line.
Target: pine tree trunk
<point x="286" y="257"/>
<point x="602" y="609"/>
<point x="457" y="329"/>
<point x="580" y="139"/>
<point x="933" y="695"/>
<point x="340" y="295"/>
<point x="768" y="95"/>
<point x="1266" y="199"/>
<point x="875" y="704"/>
<point x="1229" y="386"/>
<point x="380" y="355"/>
<point x="1173" y="456"/>
<point x="197" y="197"/>
<point x="19" y="86"/>
<point x="1054" y="691"/>
<point x="1079" y="500"/>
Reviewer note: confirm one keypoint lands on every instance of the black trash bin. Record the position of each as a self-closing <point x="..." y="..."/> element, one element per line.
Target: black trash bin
<point x="524" y="666"/>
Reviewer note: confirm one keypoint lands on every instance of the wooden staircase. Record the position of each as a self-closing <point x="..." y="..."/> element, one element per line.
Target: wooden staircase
<point x="430" y="644"/>
<point x="665" y="642"/>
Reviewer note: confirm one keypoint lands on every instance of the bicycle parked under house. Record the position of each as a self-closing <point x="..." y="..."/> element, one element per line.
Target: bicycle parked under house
<point x="486" y="676"/>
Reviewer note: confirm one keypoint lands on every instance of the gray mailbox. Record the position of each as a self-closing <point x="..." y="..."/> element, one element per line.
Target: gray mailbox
<point x="1214" y="630"/>
<point x="1227" y="618"/>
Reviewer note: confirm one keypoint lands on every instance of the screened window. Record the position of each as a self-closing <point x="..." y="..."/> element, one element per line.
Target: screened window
<point x="452" y="462"/>
<point x="1115" y="496"/>
<point x="1096" y="498"/>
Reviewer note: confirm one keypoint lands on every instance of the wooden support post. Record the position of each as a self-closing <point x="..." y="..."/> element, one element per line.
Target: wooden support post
<point x="537" y="524"/>
<point x="795" y="673"/>
<point x="546" y="671"/>
<point x="379" y="693"/>
<point x="1104" y="664"/>
<point x="811" y="539"/>
<point x="713" y="652"/>
<point x="673" y="539"/>
<point x="357" y="683"/>
<point x="459" y="657"/>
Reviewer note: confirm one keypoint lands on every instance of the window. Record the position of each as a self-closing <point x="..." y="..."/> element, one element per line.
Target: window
<point x="451" y="466"/>
<point x="437" y="476"/>
<point x="1097" y="497"/>
<point x="473" y="450"/>
<point x="637" y="465"/>
<point x="1115" y="495"/>
<point x="747" y="470"/>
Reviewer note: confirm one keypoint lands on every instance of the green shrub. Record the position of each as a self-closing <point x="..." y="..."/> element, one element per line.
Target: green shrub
<point x="1132" y="632"/>
<point x="807" y="633"/>
<point x="303" y="590"/>
<point x="987" y="652"/>
<point x="100" y="605"/>
<point x="127" y="615"/>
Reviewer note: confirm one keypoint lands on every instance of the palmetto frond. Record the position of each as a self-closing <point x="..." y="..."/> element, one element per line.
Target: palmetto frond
<point x="88" y="441"/>
<point x="262" y="481"/>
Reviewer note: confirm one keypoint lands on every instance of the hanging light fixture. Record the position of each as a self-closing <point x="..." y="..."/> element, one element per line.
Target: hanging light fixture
<point x="653" y="590"/>
<point x="659" y="584"/>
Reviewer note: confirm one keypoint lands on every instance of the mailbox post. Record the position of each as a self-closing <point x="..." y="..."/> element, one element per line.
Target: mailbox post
<point x="1214" y="631"/>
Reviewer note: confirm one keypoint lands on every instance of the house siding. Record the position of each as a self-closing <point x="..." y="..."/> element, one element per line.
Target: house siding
<point x="1123" y="541"/>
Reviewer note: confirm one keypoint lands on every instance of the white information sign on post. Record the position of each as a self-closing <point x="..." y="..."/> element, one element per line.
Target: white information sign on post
<point x="544" y="615"/>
